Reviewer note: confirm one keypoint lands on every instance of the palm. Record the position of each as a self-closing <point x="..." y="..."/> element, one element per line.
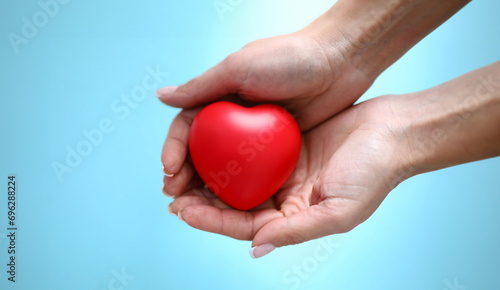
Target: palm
<point x="338" y="175"/>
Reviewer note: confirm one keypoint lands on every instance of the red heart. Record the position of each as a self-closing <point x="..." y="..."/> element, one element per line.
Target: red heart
<point x="244" y="155"/>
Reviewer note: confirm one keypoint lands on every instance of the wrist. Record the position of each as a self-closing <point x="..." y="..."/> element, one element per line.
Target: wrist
<point x="371" y="35"/>
<point x="453" y="123"/>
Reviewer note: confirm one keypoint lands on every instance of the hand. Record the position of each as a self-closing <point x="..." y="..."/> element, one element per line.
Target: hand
<point x="294" y="71"/>
<point x="314" y="73"/>
<point x="323" y="68"/>
<point x="290" y="70"/>
<point x="351" y="162"/>
<point x="346" y="168"/>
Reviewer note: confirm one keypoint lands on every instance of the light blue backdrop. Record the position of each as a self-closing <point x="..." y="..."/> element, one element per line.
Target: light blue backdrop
<point x="85" y="66"/>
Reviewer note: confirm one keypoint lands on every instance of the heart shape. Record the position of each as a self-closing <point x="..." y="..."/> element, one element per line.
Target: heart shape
<point x="244" y="155"/>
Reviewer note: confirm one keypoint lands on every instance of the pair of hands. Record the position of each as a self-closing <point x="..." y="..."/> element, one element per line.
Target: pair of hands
<point x="351" y="156"/>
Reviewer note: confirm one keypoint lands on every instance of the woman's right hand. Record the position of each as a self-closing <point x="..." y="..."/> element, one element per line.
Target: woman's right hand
<point x="296" y="71"/>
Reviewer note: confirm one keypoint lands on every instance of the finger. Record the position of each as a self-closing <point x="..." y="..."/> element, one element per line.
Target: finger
<point x="176" y="145"/>
<point x="197" y="193"/>
<point x="326" y="218"/>
<point x="196" y="186"/>
<point x="241" y="225"/>
<point x="191" y="197"/>
<point x="178" y="183"/>
<point x="199" y="189"/>
<point x="196" y="197"/>
<point x="215" y="83"/>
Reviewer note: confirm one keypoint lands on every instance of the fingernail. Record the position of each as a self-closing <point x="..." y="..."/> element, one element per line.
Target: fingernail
<point x="169" y="209"/>
<point x="167" y="174"/>
<point x="261" y="251"/>
<point x="166" y="193"/>
<point x="179" y="215"/>
<point x="165" y="91"/>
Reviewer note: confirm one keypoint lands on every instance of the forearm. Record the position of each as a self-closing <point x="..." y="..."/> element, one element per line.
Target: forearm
<point x="454" y="123"/>
<point x="373" y="34"/>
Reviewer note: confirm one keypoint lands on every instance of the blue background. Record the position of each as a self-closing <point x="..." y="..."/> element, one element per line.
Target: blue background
<point x="435" y="231"/>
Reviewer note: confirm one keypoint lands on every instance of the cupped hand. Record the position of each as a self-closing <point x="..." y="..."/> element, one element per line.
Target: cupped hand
<point x="347" y="166"/>
<point x="312" y="80"/>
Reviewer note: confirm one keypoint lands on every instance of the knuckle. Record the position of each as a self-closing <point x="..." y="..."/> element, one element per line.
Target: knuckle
<point x="232" y="63"/>
<point x="232" y="59"/>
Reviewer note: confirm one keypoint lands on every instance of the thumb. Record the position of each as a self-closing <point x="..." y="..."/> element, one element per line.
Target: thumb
<point x="314" y="222"/>
<point x="217" y="82"/>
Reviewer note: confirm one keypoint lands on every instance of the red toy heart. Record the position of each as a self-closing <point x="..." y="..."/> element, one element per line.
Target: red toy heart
<point x="244" y="155"/>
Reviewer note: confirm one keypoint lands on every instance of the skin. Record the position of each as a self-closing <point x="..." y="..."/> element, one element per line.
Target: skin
<point x="352" y="156"/>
